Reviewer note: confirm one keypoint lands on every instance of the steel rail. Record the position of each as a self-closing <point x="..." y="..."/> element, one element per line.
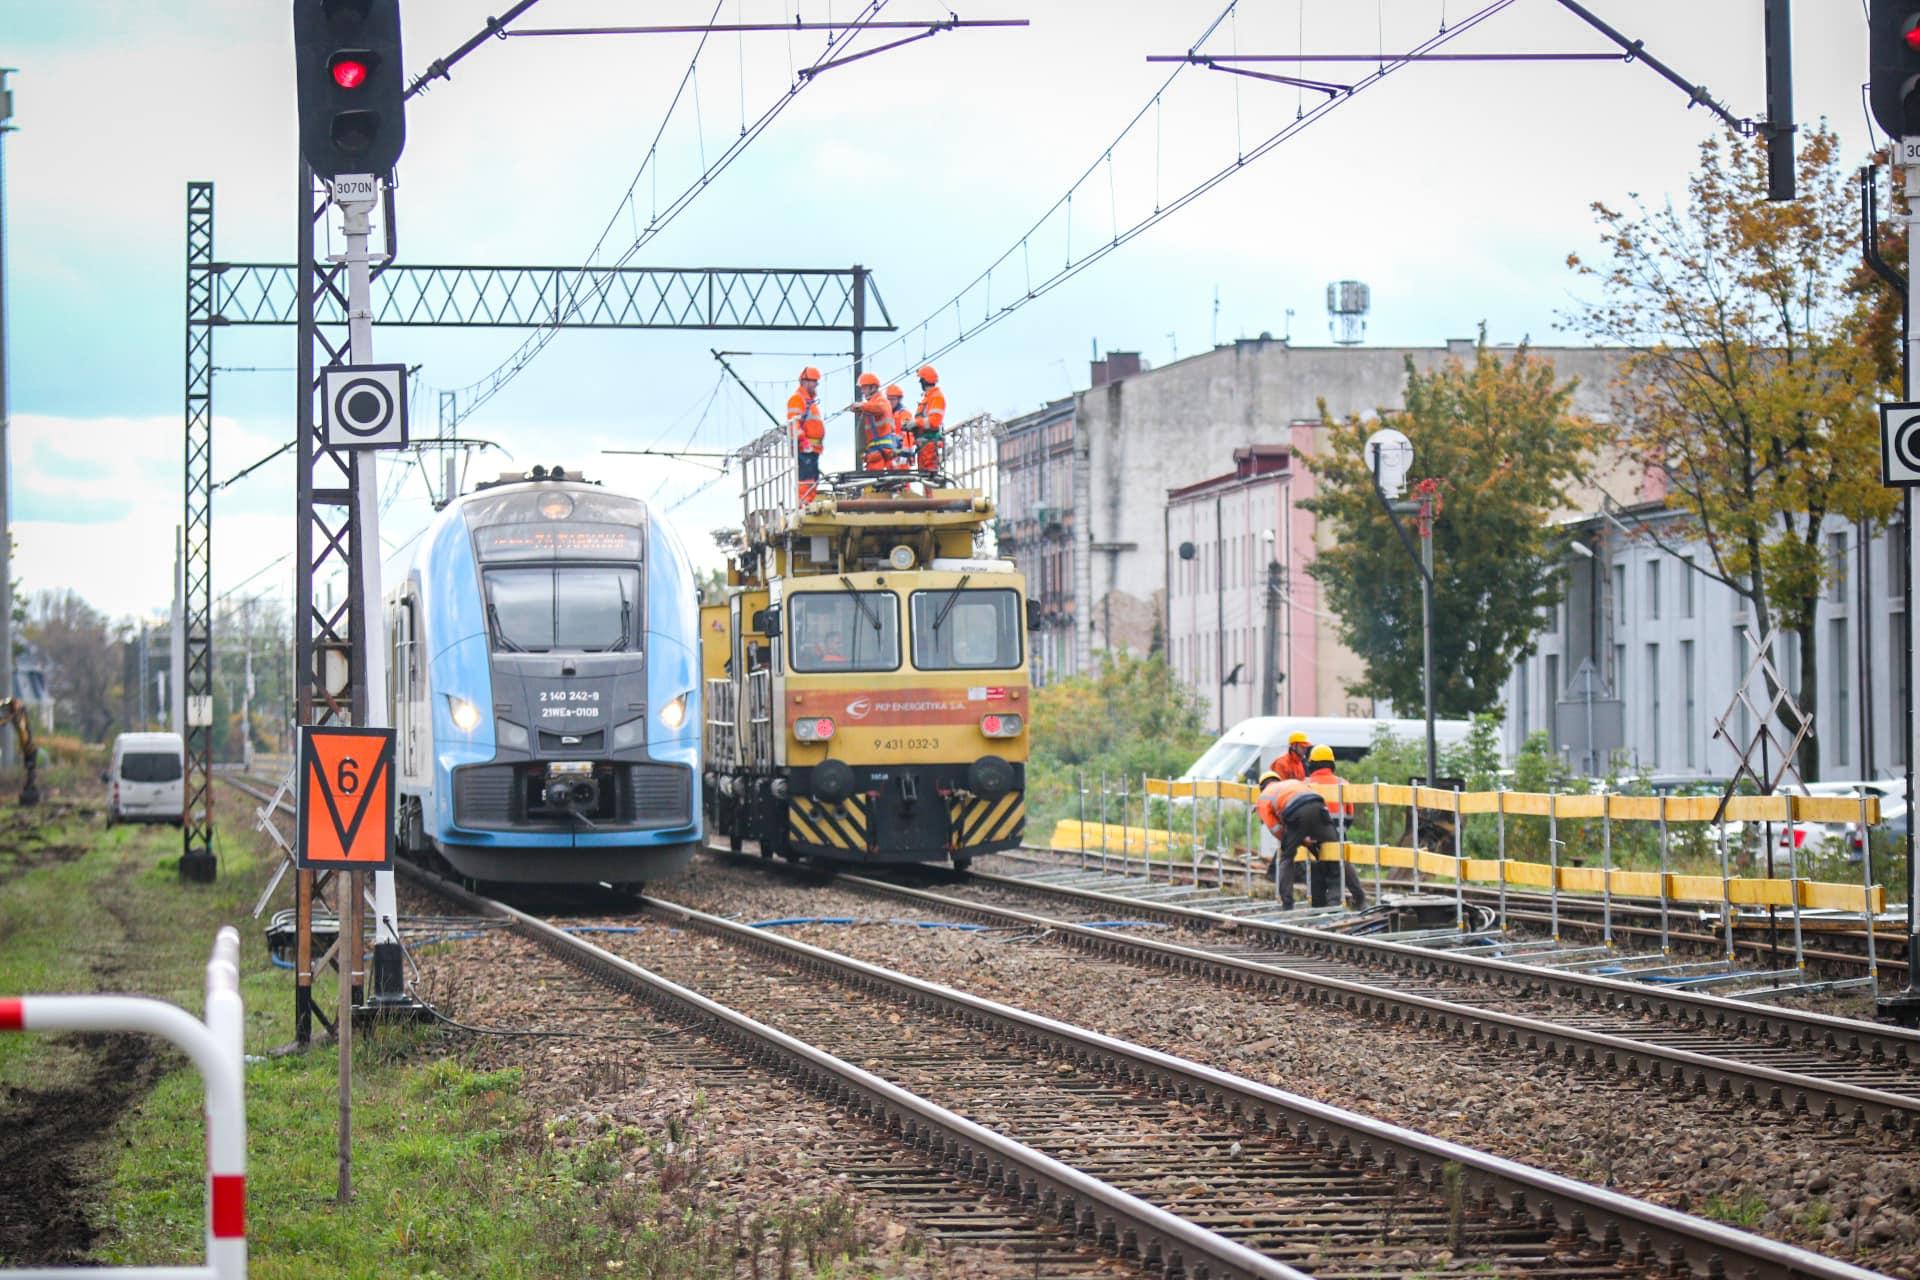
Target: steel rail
<point x="1697" y="1008"/>
<point x="1044" y="1186"/>
<point x="1701" y="1072"/>
<point x="1647" y="1232"/>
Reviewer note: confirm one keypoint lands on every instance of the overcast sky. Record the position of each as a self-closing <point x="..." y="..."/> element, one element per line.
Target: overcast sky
<point x="1455" y="191"/>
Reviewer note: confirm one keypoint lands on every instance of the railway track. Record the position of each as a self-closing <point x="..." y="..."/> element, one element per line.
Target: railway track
<point x="1206" y="911"/>
<point x="1799" y="1078"/>
<point x="1839" y="952"/>
<point x="1169" y="1164"/>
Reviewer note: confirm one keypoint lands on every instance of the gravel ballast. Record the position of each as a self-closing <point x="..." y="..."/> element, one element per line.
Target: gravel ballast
<point x="1852" y="1196"/>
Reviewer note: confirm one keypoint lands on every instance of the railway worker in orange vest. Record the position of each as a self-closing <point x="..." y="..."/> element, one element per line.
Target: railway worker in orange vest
<point x="809" y="431"/>
<point x="902" y="428"/>
<point x="1298" y="818"/>
<point x="1323" y="880"/>
<point x="874" y="417"/>
<point x="1292" y="763"/>
<point x="930" y="419"/>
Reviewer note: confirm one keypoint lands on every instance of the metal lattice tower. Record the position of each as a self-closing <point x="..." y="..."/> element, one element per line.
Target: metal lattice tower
<point x="196" y="852"/>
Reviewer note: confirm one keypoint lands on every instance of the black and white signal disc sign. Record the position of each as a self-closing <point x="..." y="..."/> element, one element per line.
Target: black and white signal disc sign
<point x="1900" y="446"/>
<point x="364" y="406"/>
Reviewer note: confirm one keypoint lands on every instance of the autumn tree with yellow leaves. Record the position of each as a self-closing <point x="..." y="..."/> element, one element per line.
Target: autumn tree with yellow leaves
<point x="1752" y="375"/>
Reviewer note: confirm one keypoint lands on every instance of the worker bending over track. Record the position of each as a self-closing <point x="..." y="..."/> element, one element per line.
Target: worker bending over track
<point x="1323" y="877"/>
<point x="1298" y="818"/>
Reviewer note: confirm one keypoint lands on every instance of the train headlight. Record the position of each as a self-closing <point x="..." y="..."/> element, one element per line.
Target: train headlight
<point x="813" y="729"/>
<point x="466" y="716"/>
<point x="508" y="734"/>
<point x="1004" y="724"/>
<point x="674" y="714"/>
<point x="901" y="558"/>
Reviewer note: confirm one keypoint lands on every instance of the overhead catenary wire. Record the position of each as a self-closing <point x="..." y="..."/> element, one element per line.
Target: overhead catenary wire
<point x="964" y="332"/>
<point x="476" y="394"/>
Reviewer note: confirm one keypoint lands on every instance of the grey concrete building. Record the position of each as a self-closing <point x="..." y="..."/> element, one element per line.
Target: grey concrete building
<point x="1666" y="647"/>
<point x="1115" y="451"/>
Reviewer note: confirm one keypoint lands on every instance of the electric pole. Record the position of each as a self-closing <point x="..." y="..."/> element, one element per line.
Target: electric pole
<point x="6" y="467"/>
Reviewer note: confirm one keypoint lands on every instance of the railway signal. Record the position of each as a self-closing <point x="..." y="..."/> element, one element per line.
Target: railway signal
<point x="350" y="90"/>
<point x="1893" y="52"/>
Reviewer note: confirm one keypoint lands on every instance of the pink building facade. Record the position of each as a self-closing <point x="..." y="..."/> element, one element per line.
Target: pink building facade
<point x="1244" y="624"/>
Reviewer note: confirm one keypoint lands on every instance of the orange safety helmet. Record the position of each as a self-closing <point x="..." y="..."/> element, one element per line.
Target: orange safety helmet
<point x="895" y="392"/>
<point x="869" y="380"/>
<point x="809" y="374"/>
<point x="927" y="375"/>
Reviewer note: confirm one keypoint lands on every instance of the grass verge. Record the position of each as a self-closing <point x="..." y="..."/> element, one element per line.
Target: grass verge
<point x="455" y="1173"/>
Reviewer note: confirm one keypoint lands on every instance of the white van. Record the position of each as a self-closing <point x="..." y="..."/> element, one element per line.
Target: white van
<point x="146" y="779"/>
<point x="1240" y="753"/>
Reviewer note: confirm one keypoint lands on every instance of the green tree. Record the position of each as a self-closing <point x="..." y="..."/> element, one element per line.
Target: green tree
<point x="1503" y="442"/>
<point x="1132" y="717"/>
<point x="1755" y="362"/>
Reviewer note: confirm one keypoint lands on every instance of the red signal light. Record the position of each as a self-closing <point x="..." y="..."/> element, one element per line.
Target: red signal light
<point x="349" y="73"/>
<point x="990" y="725"/>
<point x="1912" y="35"/>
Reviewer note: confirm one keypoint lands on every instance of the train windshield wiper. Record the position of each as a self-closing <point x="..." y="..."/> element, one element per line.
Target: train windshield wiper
<point x="860" y="603"/>
<point x="953" y="598"/>
<point x="626" y="619"/>
<point x="499" y="633"/>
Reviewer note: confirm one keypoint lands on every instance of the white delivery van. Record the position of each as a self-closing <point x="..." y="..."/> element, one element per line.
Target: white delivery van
<point x="146" y="778"/>
<point x="1243" y="751"/>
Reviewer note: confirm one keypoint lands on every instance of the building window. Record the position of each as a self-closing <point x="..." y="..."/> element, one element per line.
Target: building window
<point x="1837" y="567"/>
<point x="1619" y="595"/>
<point x="1653" y="588"/>
<point x="1740" y="660"/>
<point x="1839" y="666"/>
<point x="1620" y="671"/>
<point x="1520" y="698"/>
<point x="1653" y="704"/>
<point x="1687" y="571"/>
<point x="1550" y="702"/>
<point x="1689" y="725"/>
<point x="1897" y="560"/>
<point x="1902" y="689"/>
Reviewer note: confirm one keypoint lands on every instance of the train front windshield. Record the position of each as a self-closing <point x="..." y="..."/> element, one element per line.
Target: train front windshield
<point x="563" y="609"/>
<point x="961" y="630"/>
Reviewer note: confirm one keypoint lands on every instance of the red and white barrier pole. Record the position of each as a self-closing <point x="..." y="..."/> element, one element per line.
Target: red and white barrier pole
<point x="214" y="1047"/>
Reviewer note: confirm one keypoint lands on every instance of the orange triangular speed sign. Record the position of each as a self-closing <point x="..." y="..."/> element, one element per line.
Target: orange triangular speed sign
<point x="346" y="797"/>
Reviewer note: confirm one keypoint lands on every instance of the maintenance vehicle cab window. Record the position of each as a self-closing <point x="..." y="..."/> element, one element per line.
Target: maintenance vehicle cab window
<point x="958" y="629"/>
<point x="563" y="610"/>
<point x="844" y="631"/>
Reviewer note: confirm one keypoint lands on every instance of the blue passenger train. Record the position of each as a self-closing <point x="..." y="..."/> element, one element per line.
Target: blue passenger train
<point x="545" y="687"/>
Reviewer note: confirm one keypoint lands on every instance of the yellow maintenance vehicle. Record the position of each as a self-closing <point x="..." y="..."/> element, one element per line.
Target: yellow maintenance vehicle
<point x="872" y="702"/>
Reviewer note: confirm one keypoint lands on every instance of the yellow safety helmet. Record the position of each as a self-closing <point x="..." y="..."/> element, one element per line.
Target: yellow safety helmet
<point x="1269" y="776"/>
<point x="1298" y="739"/>
<point x="1322" y="754"/>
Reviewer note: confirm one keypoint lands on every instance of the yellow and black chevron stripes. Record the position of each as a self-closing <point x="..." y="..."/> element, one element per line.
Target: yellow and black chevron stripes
<point x="829" y="826"/>
<point x="981" y="822"/>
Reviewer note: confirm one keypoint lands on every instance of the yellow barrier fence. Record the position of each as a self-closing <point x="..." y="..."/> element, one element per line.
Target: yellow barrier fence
<point x="1568" y="805"/>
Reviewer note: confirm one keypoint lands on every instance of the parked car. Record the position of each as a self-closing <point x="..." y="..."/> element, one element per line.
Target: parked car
<point x="146" y="779"/>
<point x="1834" y="837"/>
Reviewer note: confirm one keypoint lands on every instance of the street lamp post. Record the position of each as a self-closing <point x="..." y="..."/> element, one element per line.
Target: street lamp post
<point x="1389" y="456"/>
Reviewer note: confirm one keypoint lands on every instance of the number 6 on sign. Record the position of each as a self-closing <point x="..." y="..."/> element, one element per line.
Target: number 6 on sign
<point x="346" y="798"/>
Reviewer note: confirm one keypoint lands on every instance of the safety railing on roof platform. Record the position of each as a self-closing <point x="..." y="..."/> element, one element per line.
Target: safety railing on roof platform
<point x="972" y="461"/>
<point x="769" y="481"/>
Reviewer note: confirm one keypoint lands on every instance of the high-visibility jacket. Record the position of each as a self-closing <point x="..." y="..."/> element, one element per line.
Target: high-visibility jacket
<point x="803" y="419"/>
<point x="933" y="411"/>
<point x="1289" y="765"/>
<point x="876" y="424"/>
<point x="1324" y="776"/>
<point x="903" y="432"/>
<point x="1276" y="798"/>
